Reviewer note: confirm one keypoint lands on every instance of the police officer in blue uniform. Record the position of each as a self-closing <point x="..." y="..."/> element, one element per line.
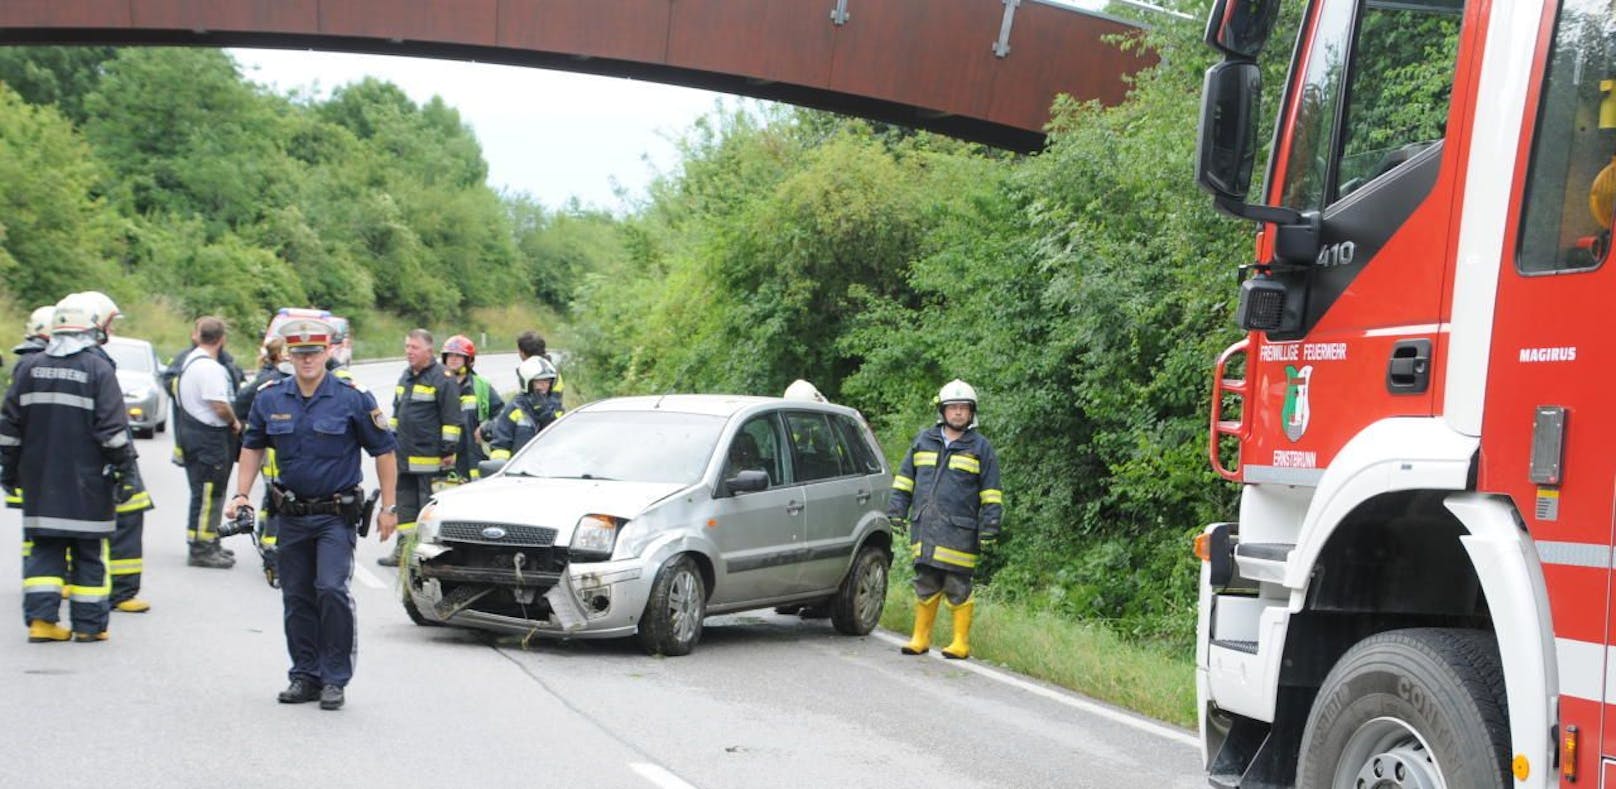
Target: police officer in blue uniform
<point x="316" y="423"/>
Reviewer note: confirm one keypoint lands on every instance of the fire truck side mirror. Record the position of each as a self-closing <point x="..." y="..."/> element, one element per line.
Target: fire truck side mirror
<point x="1241" y="27"/>
<point x="1226" y="145"/>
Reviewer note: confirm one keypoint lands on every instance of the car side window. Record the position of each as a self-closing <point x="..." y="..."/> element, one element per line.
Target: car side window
<point x="756" y="446"/>
<point x="852" y="435"/>
<point x="816" y="451"/>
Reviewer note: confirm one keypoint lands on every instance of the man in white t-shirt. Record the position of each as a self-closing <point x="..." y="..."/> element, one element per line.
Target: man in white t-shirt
<point x="206" y="431"/>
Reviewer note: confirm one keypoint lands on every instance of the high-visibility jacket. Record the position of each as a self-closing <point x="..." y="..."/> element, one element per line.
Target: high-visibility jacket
<point x="478" y="402"/>
<point x="521" y="420"/>
<point x="951" y="495"/>
<point x="426" y="418"/>
<point x="61" y="423"/>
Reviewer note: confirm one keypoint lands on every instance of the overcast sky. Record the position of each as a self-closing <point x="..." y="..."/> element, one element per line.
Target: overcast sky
<point x="554" y="135"/>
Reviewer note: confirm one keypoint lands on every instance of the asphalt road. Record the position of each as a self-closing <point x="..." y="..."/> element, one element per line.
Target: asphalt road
<point x="183" y="696"/>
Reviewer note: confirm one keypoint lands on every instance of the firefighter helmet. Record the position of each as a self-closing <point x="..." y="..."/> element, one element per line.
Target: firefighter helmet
<point x="956" y="391"/>
<point x="535" y="368"/>
<point x="39" y="322"/>
<point x="89" y="311"/>
<point x="460" y="345"/>
<point x="802" y="390"/>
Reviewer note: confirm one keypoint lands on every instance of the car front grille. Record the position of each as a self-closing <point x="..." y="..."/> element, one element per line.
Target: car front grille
<point x="489" y="534"/>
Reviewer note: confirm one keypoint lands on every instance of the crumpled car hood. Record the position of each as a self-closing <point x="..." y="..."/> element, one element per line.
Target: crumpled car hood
<point x="553" y="503"/>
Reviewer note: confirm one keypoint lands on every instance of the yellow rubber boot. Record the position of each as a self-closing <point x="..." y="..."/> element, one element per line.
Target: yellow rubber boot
<point x="961" y="648"/>
<point x="40" y="631"/>
<point x="925" y="617"/>
<point x="133" y="605"/>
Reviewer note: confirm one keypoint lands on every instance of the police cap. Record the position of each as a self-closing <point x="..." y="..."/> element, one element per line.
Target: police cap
<point x="306" y="335"/>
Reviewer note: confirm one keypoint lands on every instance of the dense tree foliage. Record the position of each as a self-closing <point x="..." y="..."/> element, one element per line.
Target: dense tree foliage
<point x="210" y="194"/>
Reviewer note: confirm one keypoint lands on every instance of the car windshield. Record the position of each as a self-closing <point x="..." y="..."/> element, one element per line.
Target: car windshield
<point x="639" y="446"/>
<point x="129" y="356"/>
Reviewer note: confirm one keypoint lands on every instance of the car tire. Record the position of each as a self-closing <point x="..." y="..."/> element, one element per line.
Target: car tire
<point x="162" y="427"/>
<point x="414" y="612"/>
<point x="1424" y="704"/>
<point x="671" y="624"/>
<point x="856" y="608"/>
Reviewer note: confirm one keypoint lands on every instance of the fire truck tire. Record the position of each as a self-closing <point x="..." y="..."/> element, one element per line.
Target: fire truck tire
<point x="856" y="608"/>
<point x="1418" y="707"/>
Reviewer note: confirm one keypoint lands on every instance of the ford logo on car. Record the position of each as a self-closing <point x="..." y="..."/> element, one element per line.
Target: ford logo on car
<point x="494" y="533"/>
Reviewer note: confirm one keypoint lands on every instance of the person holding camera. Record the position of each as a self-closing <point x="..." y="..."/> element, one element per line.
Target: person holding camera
<point x="316" y="423"/>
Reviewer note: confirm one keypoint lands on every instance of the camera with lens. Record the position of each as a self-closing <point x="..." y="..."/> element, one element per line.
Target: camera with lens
<point x="241" y="522"/>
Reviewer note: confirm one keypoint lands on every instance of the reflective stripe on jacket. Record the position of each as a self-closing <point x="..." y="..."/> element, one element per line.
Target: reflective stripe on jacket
<point x="951" y="496"/>
<point x="521" y="420"/>
<point x="426" y="418"/>
<point x="61" y="423"/>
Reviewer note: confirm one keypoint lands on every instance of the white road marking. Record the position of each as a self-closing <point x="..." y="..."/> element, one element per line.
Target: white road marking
<point x="659" y="776"/>
<point x="1143" y="724"/>
<point x="367" y="577"/>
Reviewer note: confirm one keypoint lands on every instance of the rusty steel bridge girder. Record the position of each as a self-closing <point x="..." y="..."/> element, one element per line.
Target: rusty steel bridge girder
<point x="983" y="70"/>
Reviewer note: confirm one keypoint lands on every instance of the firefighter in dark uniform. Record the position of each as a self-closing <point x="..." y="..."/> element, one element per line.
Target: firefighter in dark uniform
<point x="478" y="402"/>
<point x="527" y="413"/>
<point x="948" y="492"/>
<point x="426" y="424"/>
<point x="128" y="539"/>
<point x="64" y="438"/>
<point x="316" y="423"/>
<point x="35" y="336"/>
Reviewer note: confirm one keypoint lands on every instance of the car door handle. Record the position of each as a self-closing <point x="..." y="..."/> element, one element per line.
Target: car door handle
<point x="863" y="496"/>
<point x="793" y="507"/>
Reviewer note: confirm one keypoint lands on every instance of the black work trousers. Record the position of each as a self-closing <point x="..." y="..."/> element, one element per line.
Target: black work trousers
<point x="128" y="560"/>
<point x="46" y="572"/>
<point x="208" y="496"/>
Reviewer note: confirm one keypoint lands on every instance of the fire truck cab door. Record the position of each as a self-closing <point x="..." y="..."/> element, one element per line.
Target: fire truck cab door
<point x="1549" y="414"/>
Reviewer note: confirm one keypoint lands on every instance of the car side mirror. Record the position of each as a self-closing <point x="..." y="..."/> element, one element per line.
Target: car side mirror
<point x="749" y="481"/>
<point x="490" y="467"/>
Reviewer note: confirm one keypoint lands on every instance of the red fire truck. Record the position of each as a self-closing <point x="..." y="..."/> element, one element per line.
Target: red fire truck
<point x="1417" y="590"/>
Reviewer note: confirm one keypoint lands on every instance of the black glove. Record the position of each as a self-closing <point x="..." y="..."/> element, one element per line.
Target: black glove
<point x="988" y="536"/>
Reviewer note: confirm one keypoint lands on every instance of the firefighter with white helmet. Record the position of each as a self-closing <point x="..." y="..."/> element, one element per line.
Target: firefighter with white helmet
<point x="802" y="390"/>
<point x="948" y="491"/>
<point x="35" y="332"/>
<point x="530" y="411"/>
<point x="62" y="427"/>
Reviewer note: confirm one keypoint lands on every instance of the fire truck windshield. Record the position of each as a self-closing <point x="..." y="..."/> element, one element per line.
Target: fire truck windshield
<point x="1375" y="93"/>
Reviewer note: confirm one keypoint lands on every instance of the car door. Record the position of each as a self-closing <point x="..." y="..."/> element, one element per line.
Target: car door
<point x="759" y="534"/>
<point x="834" y="479"/>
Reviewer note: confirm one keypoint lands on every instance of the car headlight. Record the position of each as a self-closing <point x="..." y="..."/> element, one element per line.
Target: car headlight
<point x="139" y="393"/>
<point x="426" y="524"/>
<point x="595" y="536"/>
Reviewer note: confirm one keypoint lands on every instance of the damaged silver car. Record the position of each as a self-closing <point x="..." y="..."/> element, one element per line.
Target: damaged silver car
<point x="641" y="516"/>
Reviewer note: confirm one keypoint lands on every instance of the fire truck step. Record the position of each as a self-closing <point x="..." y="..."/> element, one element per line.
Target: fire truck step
<point x="1263" y="561"/>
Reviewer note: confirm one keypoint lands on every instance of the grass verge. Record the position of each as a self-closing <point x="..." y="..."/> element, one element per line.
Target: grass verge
<point x="1081" y="656"/>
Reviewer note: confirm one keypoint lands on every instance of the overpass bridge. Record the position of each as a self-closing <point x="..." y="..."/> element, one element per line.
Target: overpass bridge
<point x="982" y="70"/>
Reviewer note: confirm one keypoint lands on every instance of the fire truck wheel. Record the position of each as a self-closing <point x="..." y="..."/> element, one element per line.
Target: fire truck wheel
<point x="1410" y="708"/>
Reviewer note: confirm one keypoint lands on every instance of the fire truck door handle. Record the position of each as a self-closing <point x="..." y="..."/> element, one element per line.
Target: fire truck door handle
<point x="1409" y="371"/>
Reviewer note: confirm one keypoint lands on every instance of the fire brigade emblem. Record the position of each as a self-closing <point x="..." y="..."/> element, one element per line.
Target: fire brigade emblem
<point x="1296" y="412"/>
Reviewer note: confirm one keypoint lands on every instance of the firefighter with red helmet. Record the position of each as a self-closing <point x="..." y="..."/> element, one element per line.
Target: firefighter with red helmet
<point x="948" y="492"/>
<point x="478" y="402"/>
<point x="65" y="440"/>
